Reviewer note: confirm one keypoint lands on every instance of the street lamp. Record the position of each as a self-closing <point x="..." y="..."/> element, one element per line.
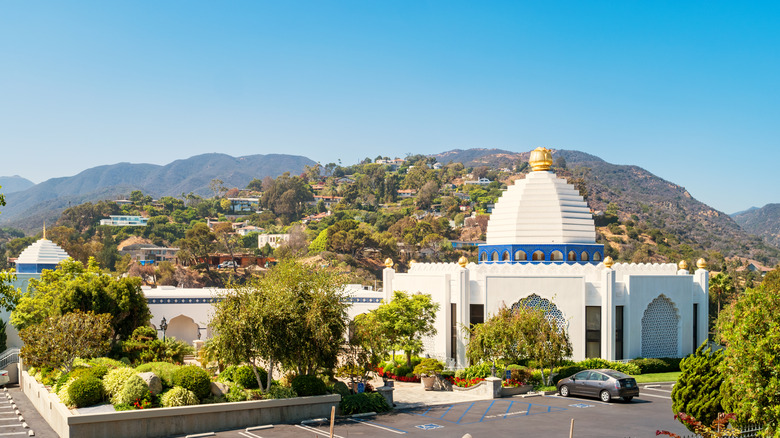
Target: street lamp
<point x="163" y="326"/>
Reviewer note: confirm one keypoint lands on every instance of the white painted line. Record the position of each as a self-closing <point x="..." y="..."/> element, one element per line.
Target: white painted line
<point x="11" y="425"/>
<point x="263" y="427"/>
<point x="200" y="435"/>
<point x="653" y="395"/>
<point x="366" y="423"/>
<point x="249" y="435"/>
<point x="660" y="390"/>
<point x="315" y="420"/>
<point x="317" y="431"/>
<point x="14" y="433"/>
<point x="364" y="414"/>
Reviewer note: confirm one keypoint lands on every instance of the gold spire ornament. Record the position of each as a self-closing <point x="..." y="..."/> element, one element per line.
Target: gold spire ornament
<point x="388" y="262"/>
<point x="463" y="261"/>
<point x="683" y="265"/>
<point x="608" y="262"/>
<point x="44" y="229"/>
<point x="701" y="264"/>
<point x="541" y="159"/>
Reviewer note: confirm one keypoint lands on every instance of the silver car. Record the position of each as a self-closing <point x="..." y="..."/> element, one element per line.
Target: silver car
<point x="604" y="384"/>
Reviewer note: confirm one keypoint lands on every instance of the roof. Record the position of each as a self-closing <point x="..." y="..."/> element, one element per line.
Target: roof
<point x="42" y="252"/>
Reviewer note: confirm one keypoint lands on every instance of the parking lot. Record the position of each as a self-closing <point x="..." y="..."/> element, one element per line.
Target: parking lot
<point x="532" y="416"/>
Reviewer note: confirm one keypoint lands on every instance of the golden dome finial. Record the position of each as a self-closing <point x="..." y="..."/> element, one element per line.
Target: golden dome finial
<point x="463" y="261"/>
<point x="608" y="262"/>
<point x="44" y="228"/>
<point x="701" y="264"/>
<point x="412" y="261"/>
<point x="388" y="262"/>
<point x="541" y="159"/>
<point x="683" y="265"/>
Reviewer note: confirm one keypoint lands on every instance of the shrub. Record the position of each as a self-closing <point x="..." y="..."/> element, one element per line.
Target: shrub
<point x="236" y="393"/>
<point x="107" y="362"/>
<point x="134" y="389"/>
<point x="480" y="371"/>
<point x="178" y="396"/>
<point x="698" y="389"/>
<point x="519" y="374"/>
<point x="657" y="365"/>
<point x="597" y="362"/>
<point x="63" y="393"/>
<point x="363" y="402"/>
<point x="115" y="379"/>
<point x="245" y="377"/>
<point x="86" y="391"/>
<point x="564" y="372"/>
<point x="282" y="392"/>
<point x="307" y="385"/>
<point x="163" y="370"/>
<point x="428" y="367"/>
<point x="338" y="387"/>
<point x="193" y="378"/>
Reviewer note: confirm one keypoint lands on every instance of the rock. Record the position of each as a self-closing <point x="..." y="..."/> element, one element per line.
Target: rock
<point x="219" y="388"/>
<point x="152" y="381"/>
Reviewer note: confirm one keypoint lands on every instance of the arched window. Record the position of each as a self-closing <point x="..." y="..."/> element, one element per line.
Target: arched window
<point x="596" y="256"/>
<point x="520" y="256"/>
<point x="584" y="256"/>
<point x="572" y="256"/>
<point x="556" y="256"/>
<point x="483" y="256"/>
<point x="494" y="256"/>
<point x="505" y="256"/>
<point x="537" y="256"/>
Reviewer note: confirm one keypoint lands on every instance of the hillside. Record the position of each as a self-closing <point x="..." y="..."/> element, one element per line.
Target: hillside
<point x="28" y="208"/>
<point x="16" y="183"/>
<point x="763" y="222"/>
<point x="637" y="196"/>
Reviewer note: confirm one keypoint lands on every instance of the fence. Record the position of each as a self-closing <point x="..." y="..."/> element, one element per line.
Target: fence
<point x="746" y="431"/>
<point x="9" y="356"/>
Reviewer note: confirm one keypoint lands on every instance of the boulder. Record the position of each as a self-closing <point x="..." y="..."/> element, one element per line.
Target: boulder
<point x="152" y="381"/>
<point x="219" y="388"/>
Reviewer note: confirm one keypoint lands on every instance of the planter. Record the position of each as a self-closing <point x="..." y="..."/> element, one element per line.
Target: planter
<point x="515" y="390"/>
<point x="427" y="382"/>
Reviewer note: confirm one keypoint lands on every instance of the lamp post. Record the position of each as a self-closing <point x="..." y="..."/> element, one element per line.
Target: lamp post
<point x="163" y="326"/>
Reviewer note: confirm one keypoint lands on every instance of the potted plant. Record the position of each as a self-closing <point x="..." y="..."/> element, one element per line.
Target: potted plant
<point x="427" y="370"/>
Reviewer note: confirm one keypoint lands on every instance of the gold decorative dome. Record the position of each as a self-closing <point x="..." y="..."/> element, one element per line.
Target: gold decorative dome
<point x="541" y="159"/>
<point x="608" y="262"/>
<point x="412" y="261"/>
<point x="701" y="264"/>
<point x="388" y="262"/>
<point x="463" y="261"/>
<point x="683" y="265"/>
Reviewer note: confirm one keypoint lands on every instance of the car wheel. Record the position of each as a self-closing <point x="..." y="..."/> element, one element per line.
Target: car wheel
<point x="604" y="396"/>
<point x="628" y="398"/>
<point x="564" y="391"/>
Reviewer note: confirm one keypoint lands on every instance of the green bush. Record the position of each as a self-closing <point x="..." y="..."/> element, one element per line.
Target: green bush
<point x="698" y="389"/>
<point x="163" y="370"/>
<point x="236" y="393"/>
<point x="481" y="371"/>
<point x="86" y="391"/>
<point x="193" y="378"/>
<point x="429" y="367"/>
<point x="178" y="396"/>
<point x="339" y="388"/>
<point x="245" y="377"/>
<point x="307" y="385"/>
<point x="63" y="393"/>
<point x="564" y="372"/>
<point x="77" y="373"/>
<point x="227" y="374"/>
<point x="107" y="362"/>
<point x="521" y="374"/>
<point x="115" y="379"/>
<point x="657" y="365"/>
<point x="281" y="392"/>
<point x="134" y="389"/>
<point x="598" y="363"/>
<point x="363" y="402"/>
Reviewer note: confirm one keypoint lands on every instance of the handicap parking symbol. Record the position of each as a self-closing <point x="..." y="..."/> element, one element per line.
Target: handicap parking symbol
<point x="581" y="405"/>
<point x="429" y="426"/>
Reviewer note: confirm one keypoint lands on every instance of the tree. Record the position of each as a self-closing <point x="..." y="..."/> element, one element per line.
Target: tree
<point x="697" y="391"/>
<point x="226" y="236"/>
<point x="199" y="241"/>
<point x="287" y="196"/>
<point x="74" y="287"/>
<point x="294" y="315"/>
<point x="58" y="340"/>
<point x="771" y="280"/>
<point x="750" y="329"/>
<point x="721" y="288"/>
<point x="406" y="320"/>
<point x="9" y="295"/>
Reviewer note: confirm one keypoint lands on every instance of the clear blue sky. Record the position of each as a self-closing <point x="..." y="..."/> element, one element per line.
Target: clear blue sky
<point x="688" y="90"/>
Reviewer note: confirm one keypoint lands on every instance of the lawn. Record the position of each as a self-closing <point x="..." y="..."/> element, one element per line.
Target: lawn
<point x="657" y="377"/>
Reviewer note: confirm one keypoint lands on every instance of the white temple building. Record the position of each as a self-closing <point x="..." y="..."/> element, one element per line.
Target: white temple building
<point x="541" y="249"/>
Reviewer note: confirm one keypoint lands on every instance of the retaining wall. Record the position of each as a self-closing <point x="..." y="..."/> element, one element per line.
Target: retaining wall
<point x="164" y="422"/>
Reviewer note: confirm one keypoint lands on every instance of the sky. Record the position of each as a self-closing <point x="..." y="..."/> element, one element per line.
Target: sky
<point x="687" y="90"/>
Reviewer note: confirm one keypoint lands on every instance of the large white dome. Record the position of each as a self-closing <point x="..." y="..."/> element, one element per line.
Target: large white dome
<point x="42" y="252"/>
<point x="541" y="209"/>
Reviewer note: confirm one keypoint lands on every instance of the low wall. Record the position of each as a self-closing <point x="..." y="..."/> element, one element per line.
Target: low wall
<point x="164" y="422"/>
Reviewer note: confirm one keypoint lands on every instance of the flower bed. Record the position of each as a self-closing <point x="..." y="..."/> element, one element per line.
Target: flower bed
<point x="389" y="375"/>
<point x="465" y="383"/>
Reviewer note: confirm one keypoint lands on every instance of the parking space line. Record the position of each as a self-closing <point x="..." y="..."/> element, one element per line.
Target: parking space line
<point x="249" y="434"/>
<point x="372" y="424"/>
<point x="650" y="389"/>
<point x="656" y="396"/>
<point x="317" y="431"/>
<point x="445" y="412"/>
<point x="464" y="414"/>
<point x="486" y="411"/>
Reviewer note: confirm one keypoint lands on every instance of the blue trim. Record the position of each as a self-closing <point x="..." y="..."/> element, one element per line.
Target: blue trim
<point x="487" y="252"/>
<point x="216" y="300"/>
<point x="34" y="268"/>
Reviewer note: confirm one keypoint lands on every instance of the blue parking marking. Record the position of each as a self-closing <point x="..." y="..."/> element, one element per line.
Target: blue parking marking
<point x="479" y="412"/>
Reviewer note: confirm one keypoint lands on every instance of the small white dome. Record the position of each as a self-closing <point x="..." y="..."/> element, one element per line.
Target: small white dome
<point x="541" y="209"/>
<point x="42" y="252"/>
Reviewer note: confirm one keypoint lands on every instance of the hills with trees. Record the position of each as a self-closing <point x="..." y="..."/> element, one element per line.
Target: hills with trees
<point x="763" y="222"/>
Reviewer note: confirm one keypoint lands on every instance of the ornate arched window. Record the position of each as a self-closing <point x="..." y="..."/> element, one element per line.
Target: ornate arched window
<point x="483" y="256"/>
<point x="520" y="256"/>
<point x="494" y="256"/>
<point x="505" y="256"/>
<point x="556" y="256"/>
<point x="572" y="256"/>
<point x="537" y="256"/>
<point x="551" y="311"/>
<point x="597" y="256"/>
<point x="584" y="256"/>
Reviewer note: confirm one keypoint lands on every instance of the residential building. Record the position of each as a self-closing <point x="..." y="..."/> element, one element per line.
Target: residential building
<point x="124" y="221"/>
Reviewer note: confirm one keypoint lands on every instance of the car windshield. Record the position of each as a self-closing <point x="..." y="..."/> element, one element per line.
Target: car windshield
<point x="615" y="374"/>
